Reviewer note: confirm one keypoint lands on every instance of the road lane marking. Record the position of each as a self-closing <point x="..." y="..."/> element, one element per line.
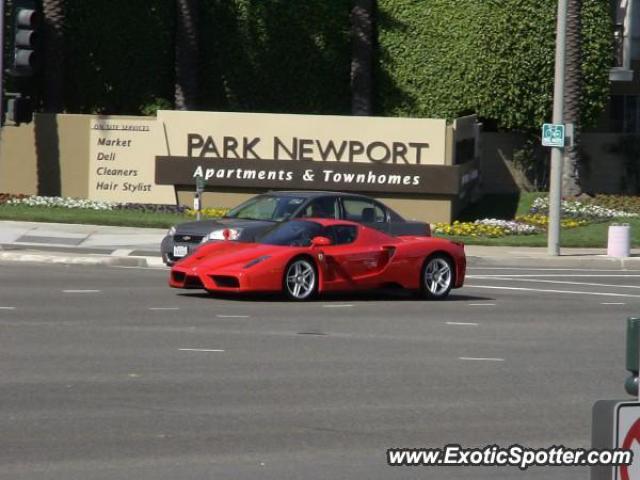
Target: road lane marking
<point x="482" y="304"/>
<point x="481" y="359"/>
<point x="199" y="350"/>
<point x="539" y="280"/>
<point x="613" y="303"/>
<point x="164" y="308"/>
<point x="525" y="269"/>
<point x="233" y="316"/>
<point x="337" y="306"/>
<point x="563" y="275"/>
<point x="7" y="308"/>
<point x="81" y="291"/>
<point x="121" y="252"/>
<point x="470" y="324"/>
<point x="572" y="292"/>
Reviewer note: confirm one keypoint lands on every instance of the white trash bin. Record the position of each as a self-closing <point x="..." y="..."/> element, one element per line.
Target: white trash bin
<point x="619" y="242"/>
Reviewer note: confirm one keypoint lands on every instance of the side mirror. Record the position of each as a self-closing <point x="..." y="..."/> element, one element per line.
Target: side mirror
<point x="320" y="242"/>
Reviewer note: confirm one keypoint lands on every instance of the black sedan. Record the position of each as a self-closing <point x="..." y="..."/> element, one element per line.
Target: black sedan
<point x="253" y="217"/>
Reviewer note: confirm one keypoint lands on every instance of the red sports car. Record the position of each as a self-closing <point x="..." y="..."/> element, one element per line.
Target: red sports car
<point x="305" y="257"/>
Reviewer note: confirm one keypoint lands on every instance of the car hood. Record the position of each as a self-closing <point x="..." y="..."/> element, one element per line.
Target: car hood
<point x="225" y="254"/>
<point x="203" y="227"/>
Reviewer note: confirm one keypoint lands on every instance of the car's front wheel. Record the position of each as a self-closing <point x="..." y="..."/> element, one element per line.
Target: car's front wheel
<point x="437" y="277"/>
<point x="300" y="280"/>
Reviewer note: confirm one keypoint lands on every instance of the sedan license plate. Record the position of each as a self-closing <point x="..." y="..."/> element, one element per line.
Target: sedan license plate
<point x="180" y="250"/>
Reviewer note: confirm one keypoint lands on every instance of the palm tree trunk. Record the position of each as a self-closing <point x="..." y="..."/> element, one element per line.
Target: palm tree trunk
<point x="573" y="90"/>
<point x="363" y="37"/>
<point x="187" y="56"/>
<point x="53" y="12"/>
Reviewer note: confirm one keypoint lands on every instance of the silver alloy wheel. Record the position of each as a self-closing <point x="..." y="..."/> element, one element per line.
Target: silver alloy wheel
<point x="437" y="277"/>
<point x="300" y="280"/>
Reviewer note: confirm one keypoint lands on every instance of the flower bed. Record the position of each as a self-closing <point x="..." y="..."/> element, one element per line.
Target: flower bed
<point x="68" y="202"/>
<point x="62" y="202"/>
<point x="576" y="209"/>
<point x="208" y="212"/>
<point x="575" y="213"/>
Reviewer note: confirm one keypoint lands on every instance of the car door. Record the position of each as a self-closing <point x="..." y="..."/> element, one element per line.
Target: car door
<point x="365" y="211"/>
<point x="354" y="258"/>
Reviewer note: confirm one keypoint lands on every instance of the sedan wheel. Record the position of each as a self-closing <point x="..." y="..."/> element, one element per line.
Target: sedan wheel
<point x="437" y="277"/>
<point x="300" y="281"/>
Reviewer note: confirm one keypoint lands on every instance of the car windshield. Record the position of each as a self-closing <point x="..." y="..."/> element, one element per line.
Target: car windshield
<point x="267" y="207"/>
<point x="297" y="233"/>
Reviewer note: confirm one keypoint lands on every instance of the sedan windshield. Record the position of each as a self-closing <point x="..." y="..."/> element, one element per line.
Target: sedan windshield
<point x="297" y="233"/>
<point x="267" y="207"/>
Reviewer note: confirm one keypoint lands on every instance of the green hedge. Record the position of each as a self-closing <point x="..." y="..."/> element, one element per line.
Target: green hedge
<point x="493" y="57"/>
<point x="436" y="58"/>
<point x="276" y="55"/>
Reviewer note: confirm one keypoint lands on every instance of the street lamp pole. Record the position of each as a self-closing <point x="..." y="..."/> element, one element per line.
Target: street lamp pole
<point x="555" y="180"/>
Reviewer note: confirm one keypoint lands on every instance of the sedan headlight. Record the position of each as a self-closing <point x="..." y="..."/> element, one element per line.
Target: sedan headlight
<point x="171" y="232"/>
<point x="223" y="234"/>
<point x="256" y="261"/>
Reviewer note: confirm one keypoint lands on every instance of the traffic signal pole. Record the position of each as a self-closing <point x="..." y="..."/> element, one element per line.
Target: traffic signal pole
<point x="555" y="179"/>
<point x="1" y="63"/>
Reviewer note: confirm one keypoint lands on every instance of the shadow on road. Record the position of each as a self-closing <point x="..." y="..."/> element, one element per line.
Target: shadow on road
<point x="370" y="296"/>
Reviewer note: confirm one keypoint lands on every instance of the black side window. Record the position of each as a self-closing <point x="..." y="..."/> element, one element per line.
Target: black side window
<point x="362" y="210"/>
<point x="320" y="208"/>
<point x="342" y="234"/>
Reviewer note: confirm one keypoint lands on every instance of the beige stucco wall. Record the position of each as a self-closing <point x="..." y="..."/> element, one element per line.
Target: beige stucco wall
<point x="48" y="157"/>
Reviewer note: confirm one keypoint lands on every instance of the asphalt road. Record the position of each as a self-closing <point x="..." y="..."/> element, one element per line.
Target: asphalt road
<point x="109" y="374"/>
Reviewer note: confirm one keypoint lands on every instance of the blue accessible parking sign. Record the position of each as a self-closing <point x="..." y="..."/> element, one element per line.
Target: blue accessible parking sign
<point x="553" y="135"/>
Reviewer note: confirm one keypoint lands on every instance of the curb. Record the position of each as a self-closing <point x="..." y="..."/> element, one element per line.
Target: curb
<point x="145" y="262"/>
<point x="567" y="262"/>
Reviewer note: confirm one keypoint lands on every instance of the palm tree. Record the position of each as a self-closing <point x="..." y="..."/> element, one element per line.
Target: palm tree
<point x="53" y="30"/>
<point x="573" y="89"/>
<point x="362" y="37"/>
<point x="186" y="87"/>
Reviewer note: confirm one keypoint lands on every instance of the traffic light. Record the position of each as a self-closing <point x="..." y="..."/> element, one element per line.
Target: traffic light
<point x="19" y="110"/>
<point x="24" y="52"/>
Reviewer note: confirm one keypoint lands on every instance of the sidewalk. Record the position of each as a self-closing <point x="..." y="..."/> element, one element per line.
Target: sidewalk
<point x="94" y="244"/>
<point x="80" y="244"/>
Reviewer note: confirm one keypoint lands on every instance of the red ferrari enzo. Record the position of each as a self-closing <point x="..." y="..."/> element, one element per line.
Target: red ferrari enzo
<point x="305" y="257"/>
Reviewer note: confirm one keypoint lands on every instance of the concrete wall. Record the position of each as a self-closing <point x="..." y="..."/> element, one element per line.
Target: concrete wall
<point x="46" y="157"/>
<point x="603" y="170"/>
<point x="496" y="154"/>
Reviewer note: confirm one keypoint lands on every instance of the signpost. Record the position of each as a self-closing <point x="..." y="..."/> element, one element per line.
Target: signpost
<point x="197" y="200"/>
<point x="553" y="135"/>
<point x="616" y="423"/>
<point x="555" y="177"/>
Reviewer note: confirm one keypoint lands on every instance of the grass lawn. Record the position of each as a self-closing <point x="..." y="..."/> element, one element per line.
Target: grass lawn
<point x="124" y="218"/>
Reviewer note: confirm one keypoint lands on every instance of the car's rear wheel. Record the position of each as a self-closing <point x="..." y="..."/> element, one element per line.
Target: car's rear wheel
<point x="300" y="280"/>
<point x="437" y="277"/>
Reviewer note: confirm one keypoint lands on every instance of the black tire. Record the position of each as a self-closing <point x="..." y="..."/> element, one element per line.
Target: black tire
<point x="300" y="280"/>
<point x="437" y="277"/>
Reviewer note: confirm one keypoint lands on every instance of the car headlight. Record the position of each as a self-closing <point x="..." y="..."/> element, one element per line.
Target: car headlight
<point x="255" y="261"/>
<point x="171" y="232"/>
<point x="223" y="234"/>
